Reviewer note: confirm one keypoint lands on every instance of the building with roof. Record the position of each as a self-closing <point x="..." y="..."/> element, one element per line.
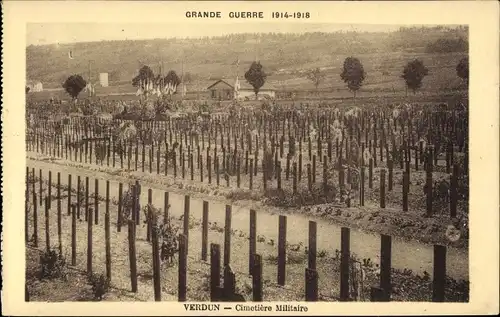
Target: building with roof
<point x="223" y="89"/>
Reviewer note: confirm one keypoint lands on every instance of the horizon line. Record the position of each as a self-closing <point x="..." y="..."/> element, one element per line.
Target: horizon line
<point x="348" y="30"/>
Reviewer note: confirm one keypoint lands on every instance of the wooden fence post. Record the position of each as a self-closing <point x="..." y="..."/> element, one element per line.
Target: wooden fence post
<point x="78" y="197"/>
<point x="252" y="240"/>
<point x="257" y="278"/>
<point x="390" y="168"/>
<point x="204" y="232"/>
<point x="89" y="241"/>
<point x="47" y="223"/>
<point x="69" y="194"/>
<point x="137" y="208"/>
<point x="309" y="177"/>
<point x="148" y="223"/>
<point x="382" y="188"/>
<point x="214" y="271"/>
<point x="119" y="221"/>
<point x="107" y="237"/>
<point x="41" y="188"/>
<point x="428" y="182"/>
<point x="362" y="186"/>
<point x="406" y="186"/>
<point x="370" y="173"/>
<point x="385" y="265"/>
<point x="325" y="178"/>
<point x="73" y="235"/>
<point x="251" y="175"/>
<point x="282" y="250"/>
<point x="439" y="274"/>
<point x="227" y="235"/>
<point x="86" y="198"/>
<point x="59" y="212"/>
<point x="312" y="245"/>
<point x="132" y="255"/>
<point x="166" y="206"/>
<point x="96" y="201"/>
<point x="377" y="294"/>
<point x="33" y="190"/>
<point x="156" y="262"/>
<point x="182" y="278"/>
<point x="229" y="283"/>
<point x="311" y="287"/>
<point x="49" y="189"/>
<point x="344" y="263"/>
<point x="187" y="201"/>
<point x="314" y="169"/>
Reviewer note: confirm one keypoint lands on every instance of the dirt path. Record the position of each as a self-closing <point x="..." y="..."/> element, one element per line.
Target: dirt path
<point x="415" y="256"/>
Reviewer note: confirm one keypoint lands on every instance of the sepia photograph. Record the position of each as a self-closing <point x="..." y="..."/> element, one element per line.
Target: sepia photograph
<point x="270" y="164"/>
<point x="305" y="164"/>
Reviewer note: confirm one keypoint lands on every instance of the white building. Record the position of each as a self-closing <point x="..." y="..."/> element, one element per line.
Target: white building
<point x="35" y="86"/>
<point x="103" y="79"/>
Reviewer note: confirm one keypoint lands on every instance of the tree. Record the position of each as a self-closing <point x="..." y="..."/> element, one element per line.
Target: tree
<point x="256" y="77"/>
<point x="172" y="78"/>
<point x="73" y="85"/>
<point x="353" y="74"/>
<point x="463" y="69"/>
<point x="413" y="74"/>
<point x="145" y="73"/>
<point x="316" y="76"/>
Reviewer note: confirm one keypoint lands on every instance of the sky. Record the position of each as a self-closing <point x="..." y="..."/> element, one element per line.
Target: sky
<point x="53" y="33"/>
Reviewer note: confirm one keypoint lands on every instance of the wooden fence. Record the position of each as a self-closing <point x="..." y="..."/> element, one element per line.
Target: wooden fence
<point x="381" y="292"/>
<point x="304" y="155"/>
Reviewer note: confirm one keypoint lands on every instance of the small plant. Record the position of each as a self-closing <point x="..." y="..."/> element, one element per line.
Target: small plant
<point x="169" y="242"/>
<point x="32" y="179"/>
<point x="100" y="285"/>
<point x="440" y="193"/>
<point x="322" y="254"/>
<point x="81" y="193"/>
<point x="52" y="265"/>
<point x="128" y="201"/>
<point x="100" y="152"/>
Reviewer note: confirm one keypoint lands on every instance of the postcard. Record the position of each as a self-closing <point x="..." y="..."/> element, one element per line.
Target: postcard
<point x="250" y="158"/>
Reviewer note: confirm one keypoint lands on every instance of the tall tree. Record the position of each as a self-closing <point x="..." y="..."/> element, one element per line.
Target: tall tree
<point x="413" y="74"/>
<point x="256" y="77"/>
<point x="145" y="73"/>
<point x="463" y="69"/>
<point x="316" y="76"/>
<point x="172" y="78"/>
<point x="73" y="85"/>
<point x="353" y="74"/>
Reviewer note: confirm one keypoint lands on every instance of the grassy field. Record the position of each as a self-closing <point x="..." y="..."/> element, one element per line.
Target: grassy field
<point x="286" y="59"/>
<point x="380" y="80"/>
